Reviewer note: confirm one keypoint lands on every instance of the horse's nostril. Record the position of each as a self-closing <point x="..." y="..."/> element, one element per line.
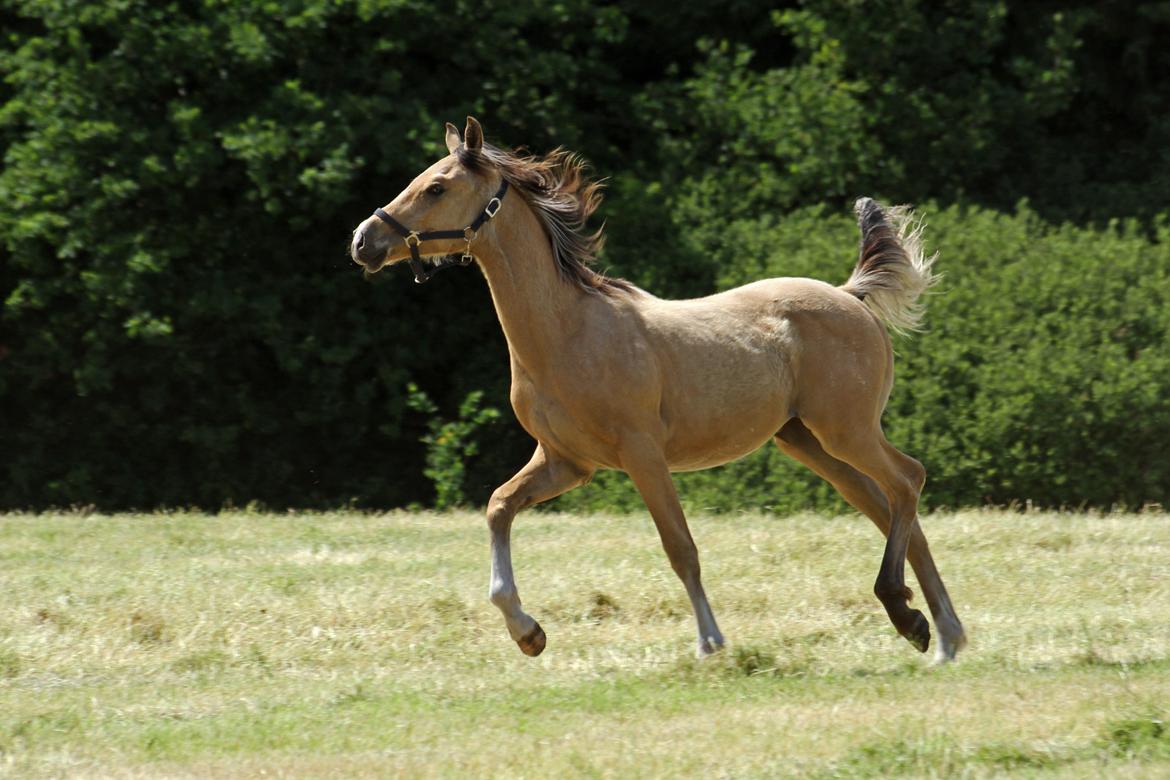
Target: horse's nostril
<point x="361" y="240"/>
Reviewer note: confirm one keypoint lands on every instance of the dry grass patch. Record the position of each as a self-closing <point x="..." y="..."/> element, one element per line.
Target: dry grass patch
<point x="347" y="644"/>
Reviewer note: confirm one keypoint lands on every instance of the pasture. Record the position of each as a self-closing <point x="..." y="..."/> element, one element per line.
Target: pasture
<point x="362" y="645"/>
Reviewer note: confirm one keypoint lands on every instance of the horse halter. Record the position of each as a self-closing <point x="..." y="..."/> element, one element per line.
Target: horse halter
<point x="413" y="238"/>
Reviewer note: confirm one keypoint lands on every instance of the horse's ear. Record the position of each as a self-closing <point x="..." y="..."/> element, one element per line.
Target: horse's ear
<point x="453" y="139"/>
<point x="473" y="135"/>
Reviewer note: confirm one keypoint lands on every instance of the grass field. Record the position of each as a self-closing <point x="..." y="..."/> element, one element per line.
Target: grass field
<point x="362" y="645"/>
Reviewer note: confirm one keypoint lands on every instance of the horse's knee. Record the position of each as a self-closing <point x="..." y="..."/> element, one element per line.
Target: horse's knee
<point x="496" y="510"/>
<point x="501" y="508"/>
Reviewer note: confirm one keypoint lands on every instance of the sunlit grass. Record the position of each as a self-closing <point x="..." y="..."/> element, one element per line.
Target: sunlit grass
<point x="352" y="644"/>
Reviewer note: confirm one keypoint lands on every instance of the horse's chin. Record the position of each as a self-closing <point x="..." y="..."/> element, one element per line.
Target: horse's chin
<point x="369" y="269"/>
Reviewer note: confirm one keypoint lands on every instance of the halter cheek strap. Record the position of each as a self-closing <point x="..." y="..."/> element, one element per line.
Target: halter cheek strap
<point x="413" y="238"/>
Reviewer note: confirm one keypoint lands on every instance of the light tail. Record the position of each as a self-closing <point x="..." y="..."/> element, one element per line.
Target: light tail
<point x="892" y="271"/>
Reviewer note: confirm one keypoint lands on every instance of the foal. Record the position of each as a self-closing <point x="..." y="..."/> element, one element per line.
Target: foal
<point x="607" y="376"/>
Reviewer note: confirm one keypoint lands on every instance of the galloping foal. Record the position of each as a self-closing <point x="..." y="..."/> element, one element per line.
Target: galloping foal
<point x="607" y="376"/>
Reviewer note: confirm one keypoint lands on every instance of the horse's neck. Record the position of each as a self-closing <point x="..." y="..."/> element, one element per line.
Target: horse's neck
<point x="535" y="306"/>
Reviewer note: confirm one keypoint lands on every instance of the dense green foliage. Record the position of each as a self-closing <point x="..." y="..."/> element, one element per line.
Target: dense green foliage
<point x="450" y="443"/>
<point x="181" y="324"/>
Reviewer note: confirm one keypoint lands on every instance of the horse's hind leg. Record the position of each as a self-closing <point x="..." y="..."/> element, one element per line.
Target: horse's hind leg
<point x="900" y="478"/>
<point x="546" y="476"/>
<point x="864" y="494"/>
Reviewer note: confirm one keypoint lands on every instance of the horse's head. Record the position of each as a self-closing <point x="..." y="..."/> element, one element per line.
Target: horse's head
<point x="437" y="214"/>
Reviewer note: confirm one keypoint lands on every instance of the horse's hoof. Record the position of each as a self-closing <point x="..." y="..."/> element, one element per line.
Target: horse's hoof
<point x="708" y="647"/>
<point x="949" y="645"/>
<point x="533" y="644"/>
<point x="919" y="633"/>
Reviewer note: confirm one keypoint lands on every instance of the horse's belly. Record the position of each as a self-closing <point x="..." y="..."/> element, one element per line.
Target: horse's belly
<point x="719" y="416"/>
<point x="704" y="449"/>
<point x="726" y="426"/>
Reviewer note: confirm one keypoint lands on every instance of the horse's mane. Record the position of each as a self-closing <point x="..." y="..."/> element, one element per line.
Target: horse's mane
<point x="563" y="197"/>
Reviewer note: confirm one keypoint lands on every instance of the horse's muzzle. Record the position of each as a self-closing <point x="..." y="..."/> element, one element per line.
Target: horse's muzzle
<point x="370" y="245"/>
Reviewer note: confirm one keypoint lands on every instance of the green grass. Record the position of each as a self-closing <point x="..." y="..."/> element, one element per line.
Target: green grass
<point x="353" y="645"/>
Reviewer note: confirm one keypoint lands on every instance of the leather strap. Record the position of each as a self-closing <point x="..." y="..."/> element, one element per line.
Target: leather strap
<point x="413" y="238"/>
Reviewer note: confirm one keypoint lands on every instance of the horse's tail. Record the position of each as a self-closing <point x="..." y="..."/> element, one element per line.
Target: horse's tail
<point x="892" y="271"/>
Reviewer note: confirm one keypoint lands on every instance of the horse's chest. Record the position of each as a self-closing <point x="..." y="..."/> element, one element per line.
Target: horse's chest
<point x="570" y="429"/>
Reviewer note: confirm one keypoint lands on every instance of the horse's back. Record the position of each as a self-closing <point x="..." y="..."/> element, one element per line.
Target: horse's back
<point x="766" y="315"/>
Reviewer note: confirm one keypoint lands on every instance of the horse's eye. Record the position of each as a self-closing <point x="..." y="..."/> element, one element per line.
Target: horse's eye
<point x="435" y="190"/>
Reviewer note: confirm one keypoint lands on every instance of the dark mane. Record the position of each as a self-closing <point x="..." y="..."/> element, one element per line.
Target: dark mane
<point x="563" y="197"/>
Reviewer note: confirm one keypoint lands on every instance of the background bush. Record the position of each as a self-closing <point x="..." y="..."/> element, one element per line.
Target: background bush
<point x="181" y="325"/>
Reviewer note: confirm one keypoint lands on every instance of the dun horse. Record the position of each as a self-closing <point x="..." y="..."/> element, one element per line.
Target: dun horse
<point x="607" y="376"/>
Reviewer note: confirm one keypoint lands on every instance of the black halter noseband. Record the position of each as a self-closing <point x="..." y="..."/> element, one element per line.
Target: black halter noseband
<point x="413" y="238"/>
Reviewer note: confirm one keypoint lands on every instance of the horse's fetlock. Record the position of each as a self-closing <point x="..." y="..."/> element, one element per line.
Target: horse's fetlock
<point x="892" y="591"/>
<point x="502" y="596"/>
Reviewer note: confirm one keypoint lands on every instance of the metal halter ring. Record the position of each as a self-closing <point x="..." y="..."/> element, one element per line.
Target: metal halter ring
<point x="468" y="235"/>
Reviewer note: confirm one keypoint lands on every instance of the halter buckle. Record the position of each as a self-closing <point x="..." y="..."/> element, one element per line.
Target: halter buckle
<point x="412" y="234"/>
<point x="492" y="207"/>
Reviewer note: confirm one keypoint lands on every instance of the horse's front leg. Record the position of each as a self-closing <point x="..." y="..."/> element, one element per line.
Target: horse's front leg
<point x="643" y="460"/>
<point x="546" y="476"/>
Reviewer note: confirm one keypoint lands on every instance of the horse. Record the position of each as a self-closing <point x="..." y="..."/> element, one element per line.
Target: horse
<point x="607" y="376"/>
